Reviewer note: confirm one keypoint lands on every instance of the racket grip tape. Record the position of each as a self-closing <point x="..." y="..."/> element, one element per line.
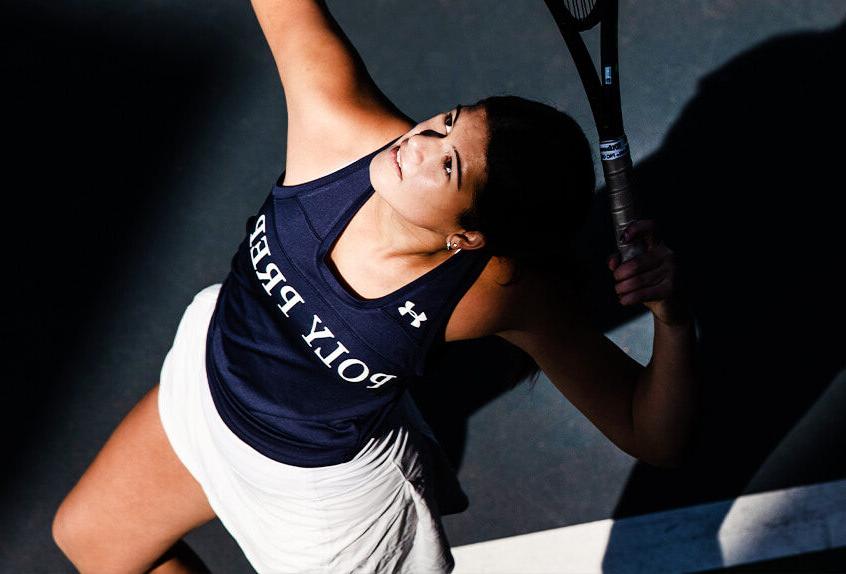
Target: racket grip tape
<point x="617" y="166"/>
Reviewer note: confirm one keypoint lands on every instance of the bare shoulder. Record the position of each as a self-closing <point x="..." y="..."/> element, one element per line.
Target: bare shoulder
<point x="336" y="112"/>
<point x="493" y="306"/>
<point x="338" y="137"/>
<point x="549" y="321"/>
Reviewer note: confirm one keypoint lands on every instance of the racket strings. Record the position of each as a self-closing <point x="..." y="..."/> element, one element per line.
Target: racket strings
<point x="580" y="10"/>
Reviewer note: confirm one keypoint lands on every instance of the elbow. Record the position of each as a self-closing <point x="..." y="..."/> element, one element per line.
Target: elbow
<point x="671" y="450"/>
<point x="670" y="460"/>
<point x="669" y="455"/>
<point x="665" y="463"/>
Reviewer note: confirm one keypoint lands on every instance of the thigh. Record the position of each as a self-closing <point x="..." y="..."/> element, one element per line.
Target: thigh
<point x="134" y="501"/>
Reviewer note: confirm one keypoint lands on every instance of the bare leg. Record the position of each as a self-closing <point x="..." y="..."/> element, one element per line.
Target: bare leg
<point x="134" y="503"/>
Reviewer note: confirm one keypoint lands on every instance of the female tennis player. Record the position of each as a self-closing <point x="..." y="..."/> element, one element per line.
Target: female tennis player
<point x="283" y="406"/>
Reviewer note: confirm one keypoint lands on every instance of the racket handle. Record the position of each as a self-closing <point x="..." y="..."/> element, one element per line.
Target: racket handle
<point x="617" y="165"/>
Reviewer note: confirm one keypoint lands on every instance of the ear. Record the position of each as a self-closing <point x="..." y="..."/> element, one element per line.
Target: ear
<point x="470" y="239"/>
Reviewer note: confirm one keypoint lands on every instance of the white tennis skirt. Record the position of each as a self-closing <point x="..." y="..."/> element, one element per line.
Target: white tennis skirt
<point x="375" y="513"/>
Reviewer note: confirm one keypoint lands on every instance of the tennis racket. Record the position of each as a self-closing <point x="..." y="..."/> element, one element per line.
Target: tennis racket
<point x="603" y="93"/>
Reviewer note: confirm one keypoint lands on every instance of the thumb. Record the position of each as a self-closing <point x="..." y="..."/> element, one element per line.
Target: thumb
<point x="612" y="261"/>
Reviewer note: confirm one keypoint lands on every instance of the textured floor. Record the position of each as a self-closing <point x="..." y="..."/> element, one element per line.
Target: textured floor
<point x="145" y="133"/>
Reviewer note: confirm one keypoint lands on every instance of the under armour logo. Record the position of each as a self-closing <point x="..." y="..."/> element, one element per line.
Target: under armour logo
<point x="407" y="309"/>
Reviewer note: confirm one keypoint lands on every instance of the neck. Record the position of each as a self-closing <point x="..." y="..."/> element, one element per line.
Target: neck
<point x="392" y="237"/>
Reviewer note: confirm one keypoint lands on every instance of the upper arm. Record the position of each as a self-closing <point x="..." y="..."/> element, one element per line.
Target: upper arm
<point x="595" y="375"/>
<point x="336" y="113"/>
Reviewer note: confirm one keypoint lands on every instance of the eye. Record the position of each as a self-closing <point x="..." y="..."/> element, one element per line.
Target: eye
<point x="448" y="120"/>
<point x="448" y="166"/>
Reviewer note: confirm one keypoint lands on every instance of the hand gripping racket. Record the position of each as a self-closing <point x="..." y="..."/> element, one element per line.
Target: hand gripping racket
<point x="603" y="93"/>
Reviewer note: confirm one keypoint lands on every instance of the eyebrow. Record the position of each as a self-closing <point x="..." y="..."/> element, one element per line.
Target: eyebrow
<point x="457" y="158"/>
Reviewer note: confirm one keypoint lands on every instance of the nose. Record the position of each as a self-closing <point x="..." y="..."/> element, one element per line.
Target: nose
<point x="420" y="145"/>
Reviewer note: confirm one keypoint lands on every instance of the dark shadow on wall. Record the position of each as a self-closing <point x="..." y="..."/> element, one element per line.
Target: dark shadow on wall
<point x="96" y="112"/>
<point x="748" y="190"/>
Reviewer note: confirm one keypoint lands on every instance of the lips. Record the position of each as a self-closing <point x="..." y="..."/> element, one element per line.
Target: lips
<point x="396" y="162"/>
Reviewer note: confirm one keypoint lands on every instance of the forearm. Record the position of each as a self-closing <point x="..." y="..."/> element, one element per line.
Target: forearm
<point x="665" y="398"/>
<point x="306" y="42"/>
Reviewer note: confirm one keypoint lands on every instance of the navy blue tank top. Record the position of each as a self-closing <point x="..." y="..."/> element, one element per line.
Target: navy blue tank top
<point x="299" y="367"/>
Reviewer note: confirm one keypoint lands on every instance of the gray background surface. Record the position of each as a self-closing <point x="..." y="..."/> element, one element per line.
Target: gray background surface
<point x="145" y="133"/>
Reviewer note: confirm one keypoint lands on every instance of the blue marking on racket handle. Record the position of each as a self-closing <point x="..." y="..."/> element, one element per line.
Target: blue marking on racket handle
<point x="613" y="149"/>
<point x="617" y="165"/>
<point x="607" y="77"/>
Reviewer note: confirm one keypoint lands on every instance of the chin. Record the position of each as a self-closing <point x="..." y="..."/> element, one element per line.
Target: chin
<point x="382" y="176"/>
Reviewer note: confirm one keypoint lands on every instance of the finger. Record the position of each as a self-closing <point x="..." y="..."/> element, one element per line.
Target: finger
<point x="641" y="229"/>
<point x="638" y="226"/>
<point x="613" y="261"/>
<point x="646" y="261"/>
<point x="641" y="281"/>
<point x="654" y="293"/>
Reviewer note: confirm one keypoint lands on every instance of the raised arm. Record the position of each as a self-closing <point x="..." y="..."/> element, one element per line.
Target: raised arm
<point x="336" y="113"/>
<point x="596" y="376"/>
<point x="646" y="411"/>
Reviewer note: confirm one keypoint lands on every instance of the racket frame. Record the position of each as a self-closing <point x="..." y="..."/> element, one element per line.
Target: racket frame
<point x="603" y="94"/>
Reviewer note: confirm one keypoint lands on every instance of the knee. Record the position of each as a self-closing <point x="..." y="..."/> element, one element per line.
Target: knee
<point x="66" y="530"/>
<point x="60" y="528"/>
<point x="76" y="536"/>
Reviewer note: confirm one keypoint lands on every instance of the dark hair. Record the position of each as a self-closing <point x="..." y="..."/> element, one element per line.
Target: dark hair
<point x="537" y="190"/>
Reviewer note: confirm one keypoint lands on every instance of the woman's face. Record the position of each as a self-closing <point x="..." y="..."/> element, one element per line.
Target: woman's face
<point x="430" y="175"/>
